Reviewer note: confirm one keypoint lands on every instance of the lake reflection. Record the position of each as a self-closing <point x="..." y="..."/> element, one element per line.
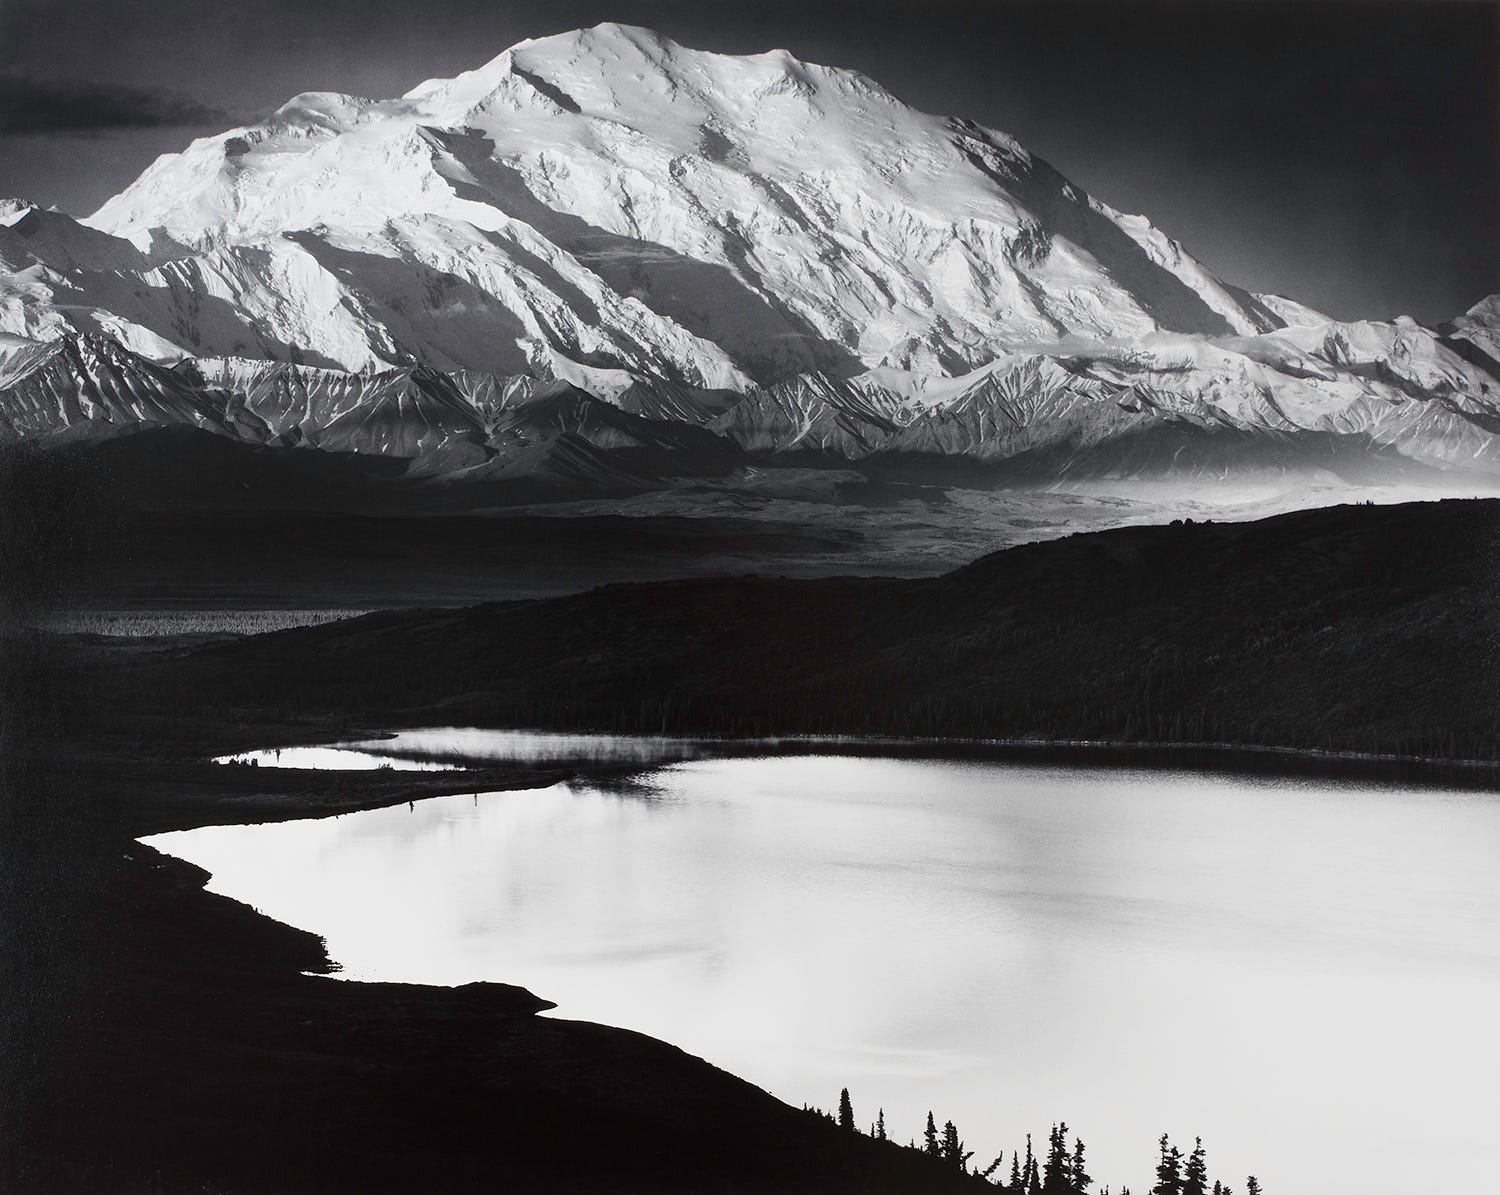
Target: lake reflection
<point x="477" y="745"/>
<point x="335" y="759"/>
<point x="454" y="747"/>
<point x="1306" y="975"/>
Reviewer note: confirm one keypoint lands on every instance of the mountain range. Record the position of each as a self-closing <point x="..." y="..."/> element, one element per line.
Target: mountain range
<point x="603" y="263"/>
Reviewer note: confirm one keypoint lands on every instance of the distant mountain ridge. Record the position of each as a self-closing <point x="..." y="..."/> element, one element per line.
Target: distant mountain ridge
<point x="743" y="258"/>
<point x="1030" y="418"/>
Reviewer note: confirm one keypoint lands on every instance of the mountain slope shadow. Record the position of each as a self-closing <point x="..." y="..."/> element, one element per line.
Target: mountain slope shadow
<point x="469" y="315"/>
<point x="1052" y="199"/>
<point x="760" y="334"/>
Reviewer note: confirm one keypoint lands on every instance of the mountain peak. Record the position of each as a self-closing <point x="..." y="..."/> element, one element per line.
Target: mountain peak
<point x="1486" y="311"/>
<point x="606" y="203"/>
<point x="629" y="72"/>
<point x="612" y="33"/>
<point x="609" y="43"/>
<point x="13" y="210"/>
<point x="332" y="110"/>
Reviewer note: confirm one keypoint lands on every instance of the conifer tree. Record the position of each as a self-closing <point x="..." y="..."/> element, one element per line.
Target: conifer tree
<point x="1056" y="1176"/>
<point x="952" y="1149"/>
<point x="1017" y="1182"/>
<point x="1195" y="1177"/>
<point x="846" y="1111"/>
<point x="1029" y="1169"/>
<point x="930" y="1136"/>
<point x="1082" y="1180"/>
<point x="879" y="1133"/>
<point x="989" y="1171"/>
<point x="1168" y="1170"/>
<point x="1252" y="1185"/>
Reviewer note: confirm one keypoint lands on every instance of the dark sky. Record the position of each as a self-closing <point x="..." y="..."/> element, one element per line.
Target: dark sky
<point x="1346" y="154"/>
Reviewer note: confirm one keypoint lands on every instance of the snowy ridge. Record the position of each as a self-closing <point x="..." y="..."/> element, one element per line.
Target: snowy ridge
<point x="1035" y="411"/>
<point x="395" y="412"/>
<point x="676" y="255"/>
<point x="92" y="382"/>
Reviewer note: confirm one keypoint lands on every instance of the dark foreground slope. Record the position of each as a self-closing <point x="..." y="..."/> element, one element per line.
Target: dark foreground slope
<point x="1366" y="629"/>
<point x="156" y="1038"/>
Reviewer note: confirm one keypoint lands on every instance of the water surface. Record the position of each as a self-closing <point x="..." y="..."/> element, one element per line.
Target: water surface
<point x="1304" y="974"/>
<point x="337" y="758"/>
<point x="466" y="746"/>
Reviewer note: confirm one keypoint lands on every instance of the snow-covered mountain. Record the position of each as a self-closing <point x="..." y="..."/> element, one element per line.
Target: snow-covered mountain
<point x="753" y="255"/>
<point x="611" y="198"/>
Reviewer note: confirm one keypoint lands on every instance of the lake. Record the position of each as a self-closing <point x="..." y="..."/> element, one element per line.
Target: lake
<point x="1305" y="974"/>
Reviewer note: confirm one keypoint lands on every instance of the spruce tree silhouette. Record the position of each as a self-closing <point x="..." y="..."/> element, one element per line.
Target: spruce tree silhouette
<point x="930" y="1135"/>
<point x="1082" y="1180"/>
<point x="952" y="1149"/>
<point x="1168" y="1170"/>
<point x="1056" y="1177"/>
<point x="879" y="1131"/>
<point x="1195" y="1177"/>
<point x="846" y="1111"/>
<point x="1017" y="1180"/>
<point x="1252" y="1185"/>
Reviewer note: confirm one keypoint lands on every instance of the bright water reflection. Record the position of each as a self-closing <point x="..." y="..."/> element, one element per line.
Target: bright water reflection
<point x="479" y="745"/>
<point x="1305" y="975"/>
<point x="334" y="759"/>
<point x="443" y="747"/>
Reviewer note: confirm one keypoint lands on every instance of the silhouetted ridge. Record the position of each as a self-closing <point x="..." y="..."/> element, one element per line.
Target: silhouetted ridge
<point x="1367" y="629"/>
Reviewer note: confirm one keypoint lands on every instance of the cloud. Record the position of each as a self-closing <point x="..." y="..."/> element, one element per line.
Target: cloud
<point x="31" y="105"/>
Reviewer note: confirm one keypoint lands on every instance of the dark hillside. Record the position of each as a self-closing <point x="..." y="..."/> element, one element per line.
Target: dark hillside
<point x="1366" y="628"/>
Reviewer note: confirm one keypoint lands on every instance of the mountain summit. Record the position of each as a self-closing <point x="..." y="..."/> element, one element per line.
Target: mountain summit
<point x="607" y="197"/>
<point x="779" y="251"/>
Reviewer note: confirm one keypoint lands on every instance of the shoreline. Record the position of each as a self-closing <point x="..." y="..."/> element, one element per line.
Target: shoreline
<point x="1383" y="770"/>
<point x="166" y="1035"/>
<point x="1251" y="798"/>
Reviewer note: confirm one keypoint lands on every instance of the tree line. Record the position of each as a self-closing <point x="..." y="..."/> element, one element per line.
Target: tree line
<point x="1063" y="1170"/>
